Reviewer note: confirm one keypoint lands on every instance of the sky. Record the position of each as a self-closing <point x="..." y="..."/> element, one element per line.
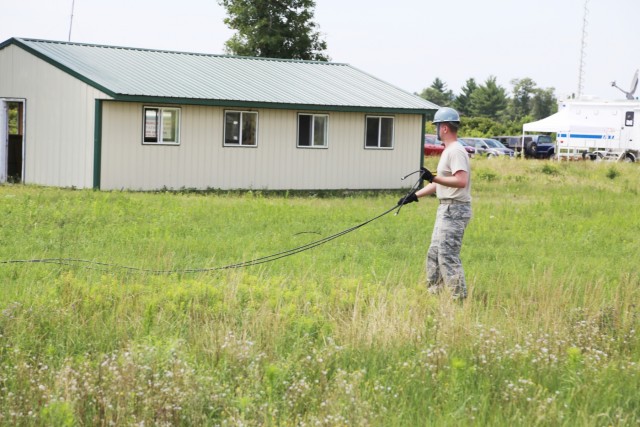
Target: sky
<point x="407" y="43"/>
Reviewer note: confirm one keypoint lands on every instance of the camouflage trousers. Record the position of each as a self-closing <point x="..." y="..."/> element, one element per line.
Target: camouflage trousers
<point x="444" y="268"/>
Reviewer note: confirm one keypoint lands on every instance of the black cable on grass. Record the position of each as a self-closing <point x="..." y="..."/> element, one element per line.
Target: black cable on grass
<point x="97" y="265"/>
<point x="256" y="261"/>
<point x="307" y="232"/>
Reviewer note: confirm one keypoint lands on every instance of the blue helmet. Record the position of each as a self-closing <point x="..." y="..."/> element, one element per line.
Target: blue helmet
<point x="446" y="115"/>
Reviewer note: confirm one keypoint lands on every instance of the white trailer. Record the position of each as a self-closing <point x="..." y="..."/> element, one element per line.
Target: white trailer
<point x="601" y="130"/>
<point x="594" y="129"/>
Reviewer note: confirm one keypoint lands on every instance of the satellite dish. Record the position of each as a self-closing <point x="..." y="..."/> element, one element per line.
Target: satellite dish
<point x="632" y="89"/>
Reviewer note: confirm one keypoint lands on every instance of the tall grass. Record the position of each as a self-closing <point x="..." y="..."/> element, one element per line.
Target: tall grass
<point x="342" y="334"/>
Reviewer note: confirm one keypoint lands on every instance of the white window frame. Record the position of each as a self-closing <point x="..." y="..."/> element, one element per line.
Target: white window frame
<point x="159" y="127"/>
<point x="378" y="146"/>
<point x="313" y="129"/>
<point x="242" y="114"/>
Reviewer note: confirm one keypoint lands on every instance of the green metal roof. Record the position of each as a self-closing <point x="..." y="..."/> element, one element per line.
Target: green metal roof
<point x="153" y="75"/>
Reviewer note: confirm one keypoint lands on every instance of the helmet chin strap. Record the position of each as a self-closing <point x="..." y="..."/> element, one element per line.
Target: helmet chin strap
<point x="438" y="132"/>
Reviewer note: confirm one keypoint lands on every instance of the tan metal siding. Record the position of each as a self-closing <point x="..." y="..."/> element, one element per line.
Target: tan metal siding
<point x="59" y="119"/>
<point x="201" y="161"/>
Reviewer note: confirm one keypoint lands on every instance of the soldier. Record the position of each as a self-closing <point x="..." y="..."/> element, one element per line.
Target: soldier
<point x="452" y="186"/>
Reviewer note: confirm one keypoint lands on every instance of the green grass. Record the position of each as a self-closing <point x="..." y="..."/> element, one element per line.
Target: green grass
<point x="341" y="334"/>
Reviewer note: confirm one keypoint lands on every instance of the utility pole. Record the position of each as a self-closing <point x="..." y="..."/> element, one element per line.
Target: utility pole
<point x="73" y="4"/>
<point x="583" y="49"/>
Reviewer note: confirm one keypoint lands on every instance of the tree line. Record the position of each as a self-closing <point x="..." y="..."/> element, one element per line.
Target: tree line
<point x="286" y="29"/>
<point x="487" y="109"/>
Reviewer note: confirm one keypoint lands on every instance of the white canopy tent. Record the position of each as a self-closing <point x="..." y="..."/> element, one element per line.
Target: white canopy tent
<point x="557" y="122"/>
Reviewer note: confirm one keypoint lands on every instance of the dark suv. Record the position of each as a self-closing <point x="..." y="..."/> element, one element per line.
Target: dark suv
<point x="539" y="146"/>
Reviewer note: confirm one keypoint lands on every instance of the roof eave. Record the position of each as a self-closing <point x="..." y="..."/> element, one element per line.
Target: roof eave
<point x="268" y="105"/>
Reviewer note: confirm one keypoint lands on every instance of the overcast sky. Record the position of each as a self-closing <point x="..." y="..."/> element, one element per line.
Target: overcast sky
<point x="405" y="42"/>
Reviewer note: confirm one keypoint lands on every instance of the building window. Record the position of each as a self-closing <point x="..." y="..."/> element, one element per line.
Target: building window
<point x="379" y="132"/>
<point x="240" y="128"/>
<point x="312" y="130"/>
<point x="161" y="125"/>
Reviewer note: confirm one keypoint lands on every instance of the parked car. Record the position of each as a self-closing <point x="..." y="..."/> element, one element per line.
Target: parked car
<point x="432" y="146"/>
<point x="471" y="150"/>
<point x="471" y="142"/>
<point x="489" y="147"/>
<point x="539" y="146"/>
<point x="498" y="147"/>
<point x="435" y="147"/>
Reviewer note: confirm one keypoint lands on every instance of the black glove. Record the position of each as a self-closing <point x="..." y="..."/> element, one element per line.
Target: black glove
<point x="426" y="174"/>
<point x="408" y="199"/>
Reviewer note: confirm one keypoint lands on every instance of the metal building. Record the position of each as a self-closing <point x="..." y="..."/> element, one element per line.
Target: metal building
<point x="124" y="118"/>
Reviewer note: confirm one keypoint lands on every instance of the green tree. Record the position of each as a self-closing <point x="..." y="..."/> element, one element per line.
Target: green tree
<point x="274" y="29"/>
<point x="481" y="127"/>
<point x="489" y="100"/>
<point x="544" y="103"/>
<point x="438" y="93"/>
<point x="462" y="102"/>
<point x="486" y="127"/>
<point x="523" y="92"/>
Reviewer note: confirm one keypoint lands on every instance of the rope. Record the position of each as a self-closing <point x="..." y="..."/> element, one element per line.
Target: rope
<point x="88" y="264"/>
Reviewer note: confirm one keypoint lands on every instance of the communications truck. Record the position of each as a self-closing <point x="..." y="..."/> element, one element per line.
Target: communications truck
<point x="598" y="130"/>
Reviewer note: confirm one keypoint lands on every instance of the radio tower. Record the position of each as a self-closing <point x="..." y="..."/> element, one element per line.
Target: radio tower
<point x="583" y="48"/>
<point x="73" y="6"/>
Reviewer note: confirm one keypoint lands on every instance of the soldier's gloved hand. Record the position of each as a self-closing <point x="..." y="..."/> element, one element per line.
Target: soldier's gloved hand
<point x="408" y="199"/>
<point x="426" y="174"/>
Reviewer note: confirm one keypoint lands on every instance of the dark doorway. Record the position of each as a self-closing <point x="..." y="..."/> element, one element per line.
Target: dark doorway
<point x="15" y="117"/>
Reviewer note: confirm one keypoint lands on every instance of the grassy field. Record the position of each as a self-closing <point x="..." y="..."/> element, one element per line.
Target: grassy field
<point x="343" y="334"/>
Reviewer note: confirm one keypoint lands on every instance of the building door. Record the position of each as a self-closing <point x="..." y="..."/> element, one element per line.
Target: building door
<point x="11" y="140"/>
<point x="630" y="130"/>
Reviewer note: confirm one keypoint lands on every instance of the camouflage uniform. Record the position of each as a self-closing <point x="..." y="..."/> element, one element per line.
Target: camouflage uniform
<point x="444" y="268"/>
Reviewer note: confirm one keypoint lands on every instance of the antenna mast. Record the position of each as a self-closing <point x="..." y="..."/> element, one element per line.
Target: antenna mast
<point x="73" y="5"/>
<point x="583" y="48"/>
